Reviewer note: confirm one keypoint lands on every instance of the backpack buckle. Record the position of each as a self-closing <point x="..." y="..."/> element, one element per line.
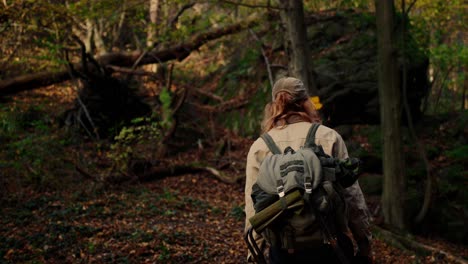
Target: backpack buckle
<point x="308" y="184"/>
<point x="280" y="188"/>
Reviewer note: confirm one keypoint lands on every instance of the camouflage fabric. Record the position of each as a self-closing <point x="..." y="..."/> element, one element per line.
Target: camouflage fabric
<point x="294" y="135"/>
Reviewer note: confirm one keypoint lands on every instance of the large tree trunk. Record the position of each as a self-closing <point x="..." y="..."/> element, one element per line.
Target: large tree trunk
<point x="300" y="66"/>
<point x="390" y="112"/>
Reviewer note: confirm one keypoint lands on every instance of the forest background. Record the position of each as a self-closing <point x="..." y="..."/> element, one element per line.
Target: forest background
<point x="125" y="124"/>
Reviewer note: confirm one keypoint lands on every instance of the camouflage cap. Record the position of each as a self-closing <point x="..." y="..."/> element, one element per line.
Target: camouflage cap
<point x="291" y="85"/>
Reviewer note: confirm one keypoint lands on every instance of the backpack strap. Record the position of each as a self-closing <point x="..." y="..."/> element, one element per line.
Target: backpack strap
<point x="270" y="143"/>
<point x="310" y="139"/>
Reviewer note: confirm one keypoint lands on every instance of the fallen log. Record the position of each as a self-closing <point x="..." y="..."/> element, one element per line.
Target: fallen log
<point x="161" y="53"/>
<point x="158" y="173"/>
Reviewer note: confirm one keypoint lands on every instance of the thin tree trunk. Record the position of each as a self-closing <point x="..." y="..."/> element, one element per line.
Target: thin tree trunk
<point x="88" y="37"/>
<point x="98" y="41"/>
<point x="153" y="31"/>
<point x="152" y="28"/>
<point x="393" y="196"/>
<point x="465" y="84"/>
<point x="300" y="66"/>
<point x="117" y="30"/>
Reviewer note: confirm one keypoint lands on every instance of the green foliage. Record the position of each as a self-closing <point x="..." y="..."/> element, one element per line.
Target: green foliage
<point x="449" y="208"/>
<point x="371" y="184"/>
<point x="359" y="4"/>
<point x="240" y="73"/>
<point x="317" y="5"/>
<point x="374" y="137"/>
<point x="238" y="212"/>
<point x="139" y="139"/>
<point x="32" y="151"/>
<point x="166" y="100"/>
<point x="437" y="26"/>
<point x="458" y="153"/>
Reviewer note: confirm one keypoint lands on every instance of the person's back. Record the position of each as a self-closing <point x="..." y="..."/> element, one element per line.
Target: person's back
<point x="287" y="121"/>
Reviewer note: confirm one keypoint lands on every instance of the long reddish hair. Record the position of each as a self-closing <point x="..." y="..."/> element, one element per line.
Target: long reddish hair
<point x="284" y="106"/>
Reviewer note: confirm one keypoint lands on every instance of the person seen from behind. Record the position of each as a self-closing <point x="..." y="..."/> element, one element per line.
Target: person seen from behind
<point x="287" y="120"/>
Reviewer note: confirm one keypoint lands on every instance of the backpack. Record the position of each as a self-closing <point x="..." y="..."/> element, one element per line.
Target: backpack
<point x="298" y="195"/>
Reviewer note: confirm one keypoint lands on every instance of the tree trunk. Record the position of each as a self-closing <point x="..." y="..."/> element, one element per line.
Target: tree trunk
<point x="390" y="114"/>
<point x="97" y="36"/>
<point x="295" y="42"/>
<point x="88" y="37"/>
<point x="153" y="14"/>
<point x="152" y="33"/>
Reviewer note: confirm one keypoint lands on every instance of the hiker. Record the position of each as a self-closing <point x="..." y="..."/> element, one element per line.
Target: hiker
<point x="287" y="120"/>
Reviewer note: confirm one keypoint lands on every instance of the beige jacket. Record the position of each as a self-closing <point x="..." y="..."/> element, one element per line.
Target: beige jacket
<point x="294" y="135"/>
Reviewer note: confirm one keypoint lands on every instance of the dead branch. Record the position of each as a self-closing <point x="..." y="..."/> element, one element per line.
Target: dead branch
<point x="179" y="13"/>
<point x="176" y="170"/>
<point x="209" y="95"/>
<point x="85" y="173"/>
<point x="235" y="103"/>
<point x="126" y="59"/>
<point x="265" y="57"/>
<point x="130" y="71"/>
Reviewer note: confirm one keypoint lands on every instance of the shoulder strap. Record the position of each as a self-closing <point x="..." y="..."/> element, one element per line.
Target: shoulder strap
<point x="270" y="143"/>
<point x="310" y="139"/>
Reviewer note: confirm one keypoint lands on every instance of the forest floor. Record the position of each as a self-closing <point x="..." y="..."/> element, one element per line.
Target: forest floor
<point x="189" y="218"/>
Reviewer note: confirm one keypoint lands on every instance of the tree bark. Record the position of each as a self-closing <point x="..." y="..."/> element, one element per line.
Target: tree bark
<point x="295" y="42"/>
<point x="88" y="37"/>
<point x="97" y="37"/>
<point x="124" y="59"/>
<point x="153" y="14"/>
<point x="393" y="196"/>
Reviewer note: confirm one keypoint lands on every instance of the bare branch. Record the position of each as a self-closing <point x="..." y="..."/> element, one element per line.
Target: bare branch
<point x="229" y="105"/>
<point x="129" y="71"/>
<point x="267" y="62"/>
<point x="410" y="6"/>
<point x="179" y="13"/>
<point x="209" y="95"/>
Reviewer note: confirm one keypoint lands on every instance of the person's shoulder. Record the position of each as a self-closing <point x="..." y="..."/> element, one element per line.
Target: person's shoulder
<point x="327" y="132"/>
<point x="258" y="144"/>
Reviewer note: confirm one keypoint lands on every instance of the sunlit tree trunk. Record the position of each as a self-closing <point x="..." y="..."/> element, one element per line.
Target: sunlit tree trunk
<point x="152" y="33"/>
<point x="88" y="36"/>
<point x="98" y="40"/>
<point x="300" y="66"/>
<point x="153" y="15"/>
<point x="393" y="195"/>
